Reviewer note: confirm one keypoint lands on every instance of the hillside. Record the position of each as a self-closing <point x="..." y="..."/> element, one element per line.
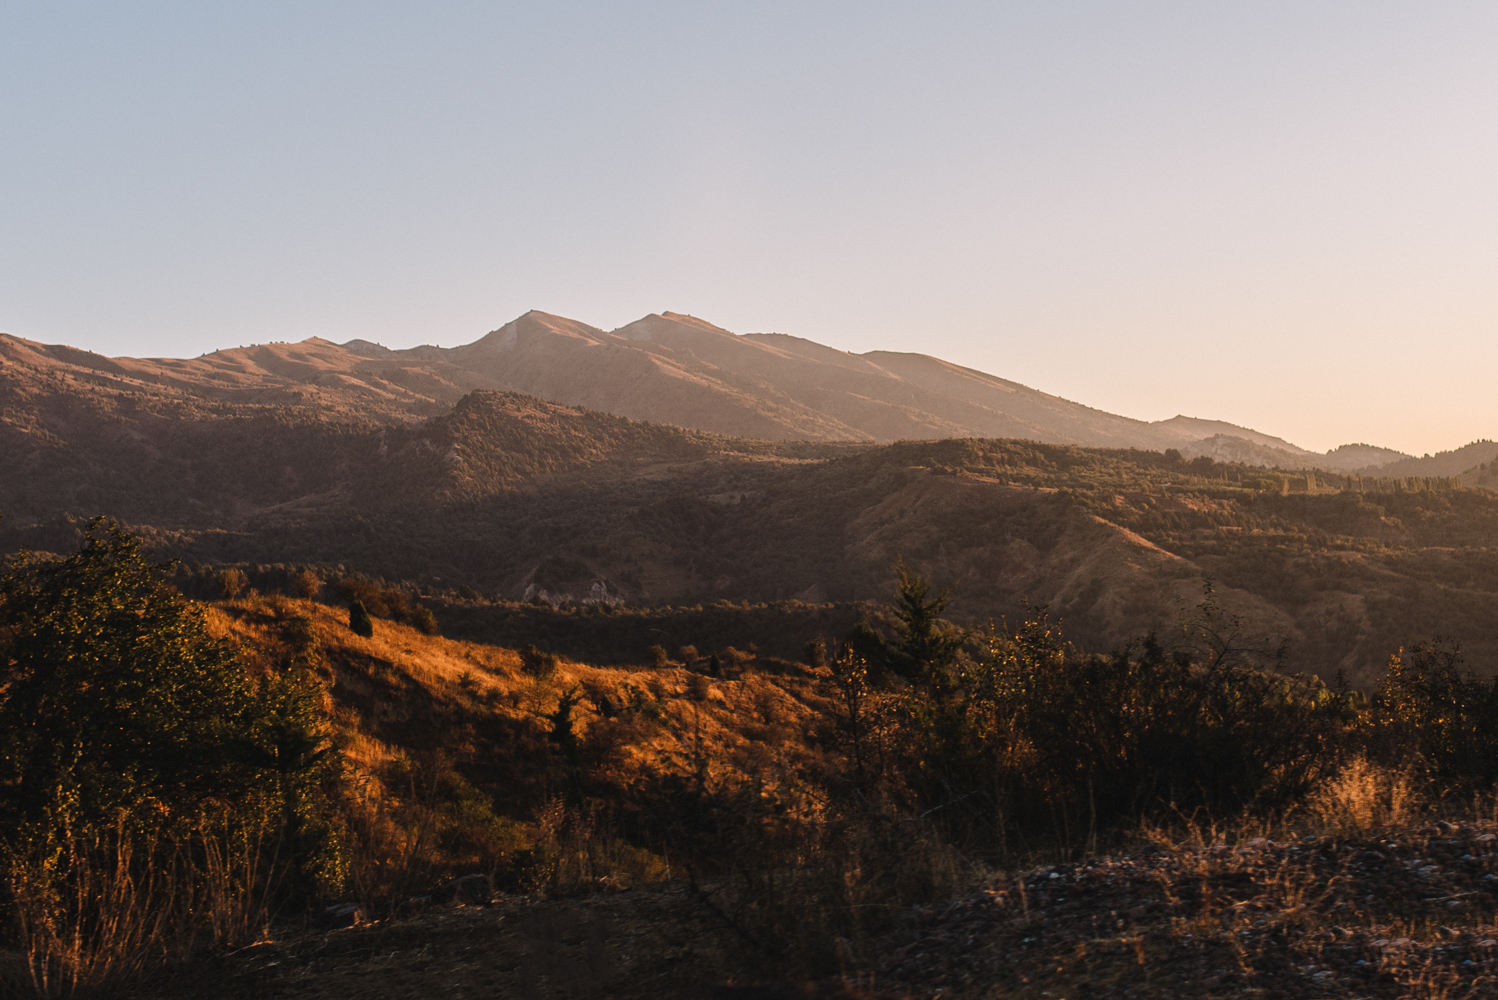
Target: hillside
<point x="998" y="814"/>
<point x="513" y="498"/>
<point x="665" y="368"/>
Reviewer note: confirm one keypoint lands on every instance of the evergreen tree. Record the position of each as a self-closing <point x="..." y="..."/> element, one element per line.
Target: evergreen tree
<point x="359" y="621"/>
<point x="925" y="647"/>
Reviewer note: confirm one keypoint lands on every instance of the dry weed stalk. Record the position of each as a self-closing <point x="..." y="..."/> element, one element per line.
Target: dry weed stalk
<point x="88" y="912"/>
<point x="95" y="908"/>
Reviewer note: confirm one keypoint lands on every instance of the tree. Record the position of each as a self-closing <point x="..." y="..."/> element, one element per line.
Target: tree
<point x="113" y="694"/>
<point x="925" y="648"/>
<point x="231" y="582"/>
<point x="926" y="645"/>
<point x="140" y="769"/>
<point x="359" y="621"/>
<point x="306" y="584"/>
<point x="536" y="663"/>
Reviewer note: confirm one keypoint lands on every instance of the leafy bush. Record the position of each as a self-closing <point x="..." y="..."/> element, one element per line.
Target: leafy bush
<point x="306" y="584"/>
<point x="387" y="602"/>
<point x="1029" y="738"/>
<point x="231" y="582"/>
<point x="538" y="664"/>
<point x="1075" y="746"/>
<point x="1433" y="714"/>
<point x="127" y="735"/>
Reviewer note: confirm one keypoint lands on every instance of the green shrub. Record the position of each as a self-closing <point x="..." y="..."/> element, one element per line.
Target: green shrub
<point x="1434" y="713"/>
<point x="133" y="753"/>
<point x="538" y="664"/>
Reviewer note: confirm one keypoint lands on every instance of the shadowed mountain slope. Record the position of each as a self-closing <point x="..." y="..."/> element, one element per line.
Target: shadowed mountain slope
<point x="516" y="497"/>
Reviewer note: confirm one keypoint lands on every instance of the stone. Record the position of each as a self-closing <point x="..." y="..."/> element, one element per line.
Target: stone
<point x="341" y="915"/>
<point x="467" y="889"/>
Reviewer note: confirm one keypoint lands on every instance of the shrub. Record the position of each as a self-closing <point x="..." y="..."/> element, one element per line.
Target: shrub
<point x="122" y="723"/>
<point x="535" y="663"/>
<point x="387" y="602"/>
<point x="698" y="687"/>
<point x="306" y="584"/>
<point x="1363" y="796"/>
<point x="231" y="582"/>
<point x="659" y="658"/>
<point x="1046" y="744"/>
<point x="1432" y="713"/>
<point x="423" y="620"/>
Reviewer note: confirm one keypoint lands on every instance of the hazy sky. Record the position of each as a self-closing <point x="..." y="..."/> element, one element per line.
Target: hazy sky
<point x="1280" y="214"/>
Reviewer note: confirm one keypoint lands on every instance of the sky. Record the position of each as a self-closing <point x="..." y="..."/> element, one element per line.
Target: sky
<point x="1281" y="214"/>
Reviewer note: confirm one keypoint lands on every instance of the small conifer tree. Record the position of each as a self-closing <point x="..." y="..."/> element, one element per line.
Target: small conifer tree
<point x="359" y="621"/>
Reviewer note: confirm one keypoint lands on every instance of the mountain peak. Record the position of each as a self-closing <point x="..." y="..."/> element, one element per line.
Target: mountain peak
<point x="668" y="325"/>
<point x="533" y="323"/>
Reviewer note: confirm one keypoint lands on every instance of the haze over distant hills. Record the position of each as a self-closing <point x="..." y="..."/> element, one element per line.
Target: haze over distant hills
<point x="676" y="369"/>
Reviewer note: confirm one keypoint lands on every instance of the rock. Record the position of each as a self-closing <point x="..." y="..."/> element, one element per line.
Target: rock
<point x="341" y="915"/>
<point x="415" y="905"/>
<point x="467" y="889"/>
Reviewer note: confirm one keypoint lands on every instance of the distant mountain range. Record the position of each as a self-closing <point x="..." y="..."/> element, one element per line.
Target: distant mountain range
<point x="675" y="369"/>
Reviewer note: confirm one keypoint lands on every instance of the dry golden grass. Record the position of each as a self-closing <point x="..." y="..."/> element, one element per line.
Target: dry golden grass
<point x="1363" y="797"/>
<point x="404" y="702"/>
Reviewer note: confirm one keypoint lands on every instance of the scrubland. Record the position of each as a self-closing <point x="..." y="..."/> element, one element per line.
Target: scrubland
<point x="905" y="809"/>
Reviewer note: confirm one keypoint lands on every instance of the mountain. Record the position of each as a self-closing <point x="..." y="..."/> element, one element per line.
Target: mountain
<point x="1446" y="463"/>
<point x="674" y="369"/>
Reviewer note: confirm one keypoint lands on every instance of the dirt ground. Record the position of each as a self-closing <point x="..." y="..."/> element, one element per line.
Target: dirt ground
<point x="645" y="943"/>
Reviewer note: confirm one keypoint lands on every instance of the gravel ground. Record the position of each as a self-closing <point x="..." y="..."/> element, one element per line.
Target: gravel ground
<point x="1403" y="916"/>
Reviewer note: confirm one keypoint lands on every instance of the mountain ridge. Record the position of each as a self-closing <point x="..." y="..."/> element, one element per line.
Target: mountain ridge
<point x="679" y="369"/>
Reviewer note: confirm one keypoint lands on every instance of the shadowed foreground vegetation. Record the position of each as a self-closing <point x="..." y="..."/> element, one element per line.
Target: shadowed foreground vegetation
<point x="187" y="784"/>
